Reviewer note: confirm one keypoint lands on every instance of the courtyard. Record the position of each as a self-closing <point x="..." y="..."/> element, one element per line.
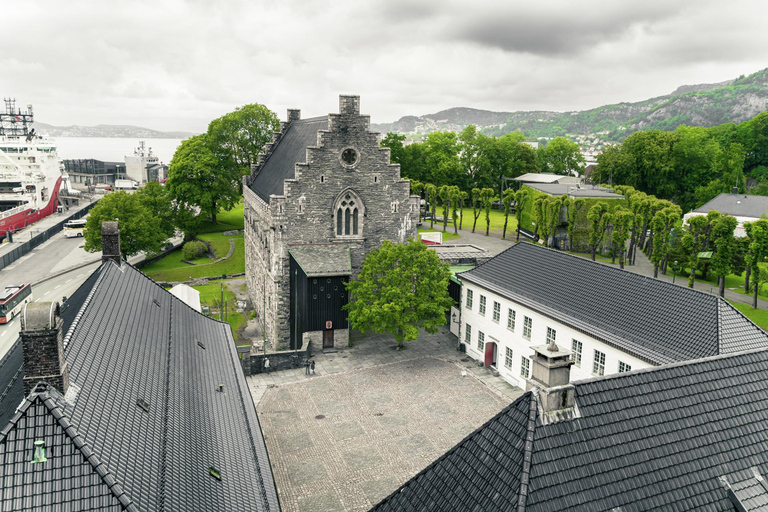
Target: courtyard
<point x="371" y="418"/>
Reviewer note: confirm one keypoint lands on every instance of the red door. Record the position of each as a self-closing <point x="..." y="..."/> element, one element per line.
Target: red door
<point x="490" y="349"/>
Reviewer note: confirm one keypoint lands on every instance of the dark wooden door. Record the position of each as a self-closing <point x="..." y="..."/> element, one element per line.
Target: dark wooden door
<point x="328" y="338"/>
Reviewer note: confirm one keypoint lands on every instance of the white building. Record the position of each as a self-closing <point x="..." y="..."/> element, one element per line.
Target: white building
<point x="613" y="320"/>
<point x="745" y="208"/>
<point x="136" y="164"/>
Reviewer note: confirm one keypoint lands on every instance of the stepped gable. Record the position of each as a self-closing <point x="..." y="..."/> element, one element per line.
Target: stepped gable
<point x="651" y="319"/>
<point x="663" y="439"/>
<point x="157" y="394"/>
<point x="289" y="148"/>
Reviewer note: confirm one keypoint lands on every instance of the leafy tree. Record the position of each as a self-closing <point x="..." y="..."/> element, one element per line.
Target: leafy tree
<point x="441" y="150"/>
<point x="486" y="197"/>
<point x="507" y="199"/>
<point x="575" y="207"/>
<point x="237" y="138"/>
<point x="622" y="223"/>
<point x="401" y="288"/>
<point x="416" y="188"/>
<point x="432" y="195"/>
<point x="197" y="178"/>
<point x="139" y="231"/>
<point x="444" y="193"/>
<point x="464" y="195"/>
<point x="522" y="197"/>
<point x="663" y="222"/>
<point x="693" y="242"/>
<point x="477" y="202"/>
<point x="725" y="247"/>
<point x="154" y="197"/>
<point x="757" y="232"/>
<point x="394" y="142"/>
<point x="455" y="199"/>
<point x="598" y="218"/>
<point x="561" y="156"/>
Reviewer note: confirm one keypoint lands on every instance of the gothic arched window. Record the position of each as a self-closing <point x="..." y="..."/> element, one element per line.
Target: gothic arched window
<point x="349" y="211"/>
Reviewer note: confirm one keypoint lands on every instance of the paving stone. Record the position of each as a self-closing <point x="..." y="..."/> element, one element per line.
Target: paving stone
<point x="393" y="419"/>
<point x="415" y="445"/>
<point x="320" y="503"/>
<point x="306" y="471"/>
<point x="291" y="442"/>
<point x="377" y="490"/>
<point x="363" y="458"/>
<point x="346" y="430"/>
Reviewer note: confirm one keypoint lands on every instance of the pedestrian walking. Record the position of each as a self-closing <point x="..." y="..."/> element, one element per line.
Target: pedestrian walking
<point x="313" y="366"/>
<point x="266" y="364"/>
<point x="306" y="367"/>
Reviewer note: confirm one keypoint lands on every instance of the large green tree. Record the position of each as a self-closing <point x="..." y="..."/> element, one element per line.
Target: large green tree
<point x="725" y="249"/>
<point x="237" y="138"/>
<point x="757" y="232"/>
<point x="196" y="177"/>
<point x="140" y="231"/>
<point x="400" y="289"/>
<point x="561" y="156"/>
<point x="599" y="218"/>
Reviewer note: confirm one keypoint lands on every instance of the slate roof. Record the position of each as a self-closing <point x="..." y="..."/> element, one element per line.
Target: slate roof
<point x="652" y="439"/>
<point x="748" y="492"/>
<point x="651" y="319"/>
<point x="323" y="259"/>
<point x="539" y="177"/>
<point x="290" y="150"/>
<point x="132" y="340"/>
<point x="737" y="205"/>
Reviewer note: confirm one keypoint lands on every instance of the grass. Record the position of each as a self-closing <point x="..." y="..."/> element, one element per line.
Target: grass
<point x="734" y="282"/>
<point x="759" y="316"/>
<point x="497" y="222"/>
<point x="210" y="296"/>
<point x="225" y="221"/>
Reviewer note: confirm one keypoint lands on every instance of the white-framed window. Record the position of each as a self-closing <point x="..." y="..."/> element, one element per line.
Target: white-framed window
<point x="496" y="311"/>
<point x="468" y="334"/>
<point x="480" y="340"/>
<point x="527" y="325"/>
<point x="469" y="299"/>
<point x="624" y="367"/>
<point x="508" y="355"/>
<point x="511" y="319"/>
<point x="525" y="367"/>
<point x="576" y="347"/>
<point x="482" y="304"/>
<point x="551" y="335"/>
<point x="598" y="367"/>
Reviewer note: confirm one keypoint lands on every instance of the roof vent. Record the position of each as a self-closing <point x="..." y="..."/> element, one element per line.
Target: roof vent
<point x="215" y="473"/>
<point x="220" y="388"/>
<point x="201" y="345"/>
<point x="141" y="403"/>
<point x="155" y="302"/>
<point x="39" y="452"/>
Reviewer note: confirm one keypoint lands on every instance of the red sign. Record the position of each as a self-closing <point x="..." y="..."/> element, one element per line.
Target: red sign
<point x="329" y="325"/>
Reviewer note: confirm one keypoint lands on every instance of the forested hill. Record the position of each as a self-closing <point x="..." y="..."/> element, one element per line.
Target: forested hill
<point x="108" y="130"/>
<point x="693" y="105"/>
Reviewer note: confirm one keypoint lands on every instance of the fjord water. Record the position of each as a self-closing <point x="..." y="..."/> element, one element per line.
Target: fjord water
<point x="112" y="149"/>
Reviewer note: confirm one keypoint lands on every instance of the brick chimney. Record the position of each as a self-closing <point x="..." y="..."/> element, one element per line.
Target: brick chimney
<point x="110" y="242"/>
<point x="42" y="342"/>
<point x="349" y="104"/>
<point x="294" y="114"/>
<point x="551" y="375"/>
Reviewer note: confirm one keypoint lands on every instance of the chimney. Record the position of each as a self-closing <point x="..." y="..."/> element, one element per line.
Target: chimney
<point x="42" y="342"/>
<point x="551" y="376"/>
<point x="110" y="242"/>
<point x="294" y="114"/>
<point x="735" y="190"/>
<point x="349" y="104"/>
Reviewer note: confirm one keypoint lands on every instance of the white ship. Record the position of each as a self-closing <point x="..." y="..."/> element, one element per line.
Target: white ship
<point x="30" y="171"/>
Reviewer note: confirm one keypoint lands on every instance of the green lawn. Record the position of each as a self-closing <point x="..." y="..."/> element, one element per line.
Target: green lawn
<point x="759" y="316"/>
<point x="210" y="295"/>
<point x="225" y="221"/>
<point x="734" y="282"/>
<point x="497" y="222"/>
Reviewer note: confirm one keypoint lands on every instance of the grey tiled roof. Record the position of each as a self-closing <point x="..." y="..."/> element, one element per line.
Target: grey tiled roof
<point x="737" y="205"/>
<point x="133" y="340"/>
<point x="654" y="320"/>
<point x="323" y="259"/>
<point x="653" y="439"/>
<point x="748" y="489"/>
<point x="291" y="149"/>
<point x="557" y="189"/>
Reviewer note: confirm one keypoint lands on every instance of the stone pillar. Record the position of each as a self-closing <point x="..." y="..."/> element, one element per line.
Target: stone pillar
<point x="349" y="104"/>
<point x="110" y="242"/>
<point x="294" y="114"/>
<point x="551" y="375"/>
<point x="43" y="346"/>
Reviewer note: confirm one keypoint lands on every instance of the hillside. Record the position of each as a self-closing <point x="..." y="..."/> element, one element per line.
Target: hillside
<point x="108" y="131"/>
<point x="695" y="105"/>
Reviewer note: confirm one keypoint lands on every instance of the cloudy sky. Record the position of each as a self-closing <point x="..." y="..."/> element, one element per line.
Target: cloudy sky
<point x="176" y="64"/>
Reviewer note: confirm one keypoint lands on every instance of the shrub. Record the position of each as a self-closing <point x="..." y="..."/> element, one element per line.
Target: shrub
<point x="194" y="249"/>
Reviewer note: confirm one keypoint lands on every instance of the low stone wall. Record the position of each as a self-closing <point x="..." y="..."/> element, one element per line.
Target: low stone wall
<point x="281" y="360"/>
<point x="340" y="338"/>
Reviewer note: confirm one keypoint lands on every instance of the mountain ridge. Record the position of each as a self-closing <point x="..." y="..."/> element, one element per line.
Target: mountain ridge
<point x="705" y="105"/>
<point x="108" y="131"/>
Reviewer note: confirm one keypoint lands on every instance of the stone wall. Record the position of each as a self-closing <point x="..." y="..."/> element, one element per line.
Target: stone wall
<point x="281" y="360"/>
<point x="306" y="212"/>
<point x="340" y="338"/>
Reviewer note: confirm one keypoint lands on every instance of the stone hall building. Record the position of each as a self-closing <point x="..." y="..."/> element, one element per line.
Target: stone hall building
<point x="321" y="196"/>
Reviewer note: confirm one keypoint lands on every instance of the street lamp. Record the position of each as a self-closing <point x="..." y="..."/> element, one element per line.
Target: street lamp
<point x="674" y="271"/>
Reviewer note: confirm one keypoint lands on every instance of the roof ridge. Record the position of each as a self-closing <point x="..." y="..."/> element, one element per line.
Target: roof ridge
<point x="668" y="366"/>
<point x="723" y="301"/>
<point x="522" y="494"/>
<point x="455" y="447"/>
<point x="46" y="397"/>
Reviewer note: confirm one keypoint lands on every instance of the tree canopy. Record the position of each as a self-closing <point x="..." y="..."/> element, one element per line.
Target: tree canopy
<point x="401" y="288"/>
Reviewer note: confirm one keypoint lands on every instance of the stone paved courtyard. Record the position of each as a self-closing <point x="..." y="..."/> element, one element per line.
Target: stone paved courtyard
<point x="374" y="417"/>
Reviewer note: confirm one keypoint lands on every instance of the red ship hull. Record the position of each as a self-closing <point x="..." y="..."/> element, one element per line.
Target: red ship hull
<point x="25" y="218"/>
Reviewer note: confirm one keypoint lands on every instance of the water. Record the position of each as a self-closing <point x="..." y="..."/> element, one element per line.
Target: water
<point x="110" y="149"/>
